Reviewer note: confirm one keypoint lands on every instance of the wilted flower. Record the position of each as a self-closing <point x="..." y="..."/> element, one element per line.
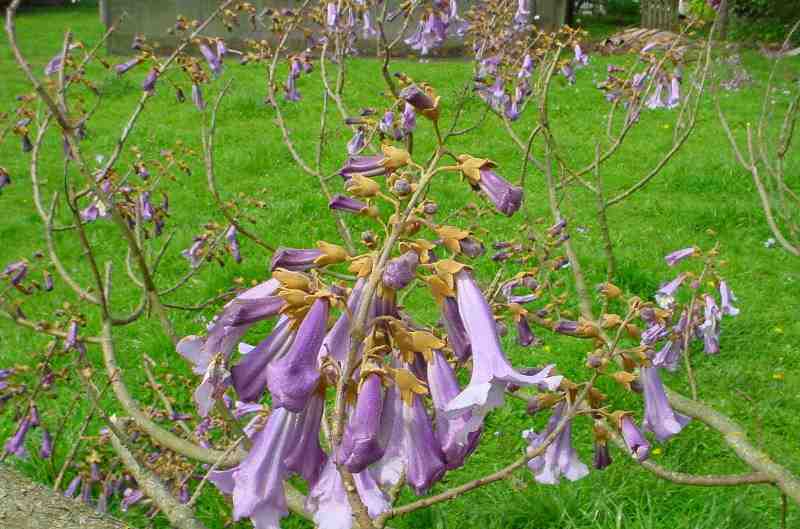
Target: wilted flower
<point x="16" y="272"/>
<point x="421" y="101"/>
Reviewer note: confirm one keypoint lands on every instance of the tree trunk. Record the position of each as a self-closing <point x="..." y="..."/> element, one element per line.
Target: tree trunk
<point x="28" y="505"/>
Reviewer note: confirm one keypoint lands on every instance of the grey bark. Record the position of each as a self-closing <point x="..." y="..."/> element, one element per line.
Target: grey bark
<point x="28" y="505"/>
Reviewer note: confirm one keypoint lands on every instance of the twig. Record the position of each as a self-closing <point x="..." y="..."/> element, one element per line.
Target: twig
<point x="213" y="468"/>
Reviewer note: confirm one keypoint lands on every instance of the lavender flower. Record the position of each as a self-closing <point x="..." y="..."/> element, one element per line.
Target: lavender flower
<point x="5" y="178"/>
<point x="526" y="70"/>
<point x="522" y="15"/>
<point x="16" y="272"/>
<point x="292" y="378"/>
<point x="400" y="271"/>
<point x="507" y="198"/>
<point x="357" y="142"/>
<point x="559" y="458"/>
<point x="569" y="73"/>
<point x="328" y="502"/>
<point x="443" y="388"/>
<point x="351" y="205"/>
<point x="491" y="372"/>
<point x="665" y="296"/>
<point x="127" y="66"/>
<point x="679" y="255"/>
<point x="16" y="443"/>
<point x="130" y="498"/>
<point x="674" y="98"/>
<point x="290" y="89"/>
<point x="669" y="355"/>
<point x="581" y="59"/>
<point x="332" y="15"/>
<point x="709" y="330"/>
<point x="149" y="84"/>
<point x="233" y="243"/>
<point x="634" y="439"/>
<point x="387" y="127"/>
<point x="726" y="297"/>
<point x="423" y="455"/>
<point x="456" y="333"/>
<point x="659" y="415"/>
<point x="361" y="445"/>
<point x="421" y="101"/>
<point x="72" y="488"/>
<point x="656" y="100"/>
<point x="409" y="119"/>
<point x="336" y="343"/>
<point x="197" y="97"/>
<point x="294" y="259"/>
<point x="214" y="61"/>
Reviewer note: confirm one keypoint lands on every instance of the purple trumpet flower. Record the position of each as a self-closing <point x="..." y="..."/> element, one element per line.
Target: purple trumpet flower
<point x="386" y="126"/>
<point x="665" y="296"/>
<point x="525" y="336"/>
<point x="581" y="59"/>
<point x="726" y="297"/>
<point x="569" y="73"/>
<point x="102" y="500"/>
<point x="679" y="255"/>
<point x="361" y="444"/>
<point x="290" y="89"/>
<point x="257" y="484"/>
<point x="419" y="100"/>
<point x="659" y="415"/>
<point x="222" y="49"/>
<point x="125" y="67"/>
<point x="669" y="355"/>
<point x="72" y="488"/>
<point x="444" y="387"/>
<point x="345" y="203"/>
<point x="215" y="381"/>
<point x="328" y="502"/>
<point x="16" y="272"/>
<point x="16" y="443"/>
<point x="506" y="198"/>
<point x="54" y="65"/>
<point x="357" y="142"/>
<point x="634" y="438"/>
<point x="145" y="206"/>
<point x="526" y="70"/>
<point x="71" y="341"/>
<point x="337" y="342"/>
<point x="709" y="330"/>
<point x="656" y="100"/>
<point x="130" y="498"/>
<point x="233" y="243"/>
<point x="423" y="455"/>
<point x="213" y="60"/>
<point x="456" y="333"/>
<point x="197" y="97"/>
<point x="400" y="271"/>
<point x="226" y="330"/>
<point x="429" y="34"/>
<point x="48" y="281"/>
<point x="491" y="372"/>
<point x="559" y="458"/>
<point x="497" y="97"/>
<point x="195" y="253"/>
<point x="409" y="119"/>
<point x="86" y="492"/>
<point x="507" y="291"/>
<point x="305" y="456"/>
<point x="364" y="165"/>
<point x="149" y="84"/>
<point x="93" y="211"/>
<point x="295" y="259"/>
<point x="294" y="377"/>
<point x="674" y="98"/>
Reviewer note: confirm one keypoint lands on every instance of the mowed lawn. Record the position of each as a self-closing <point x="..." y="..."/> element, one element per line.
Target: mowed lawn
<point x="701" y="197"/>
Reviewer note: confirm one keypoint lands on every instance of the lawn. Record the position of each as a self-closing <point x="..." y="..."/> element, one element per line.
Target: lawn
<point x="701" y="197"/>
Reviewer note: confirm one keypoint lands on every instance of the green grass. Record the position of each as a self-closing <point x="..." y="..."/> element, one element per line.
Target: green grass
<point x="756" y="379"/>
